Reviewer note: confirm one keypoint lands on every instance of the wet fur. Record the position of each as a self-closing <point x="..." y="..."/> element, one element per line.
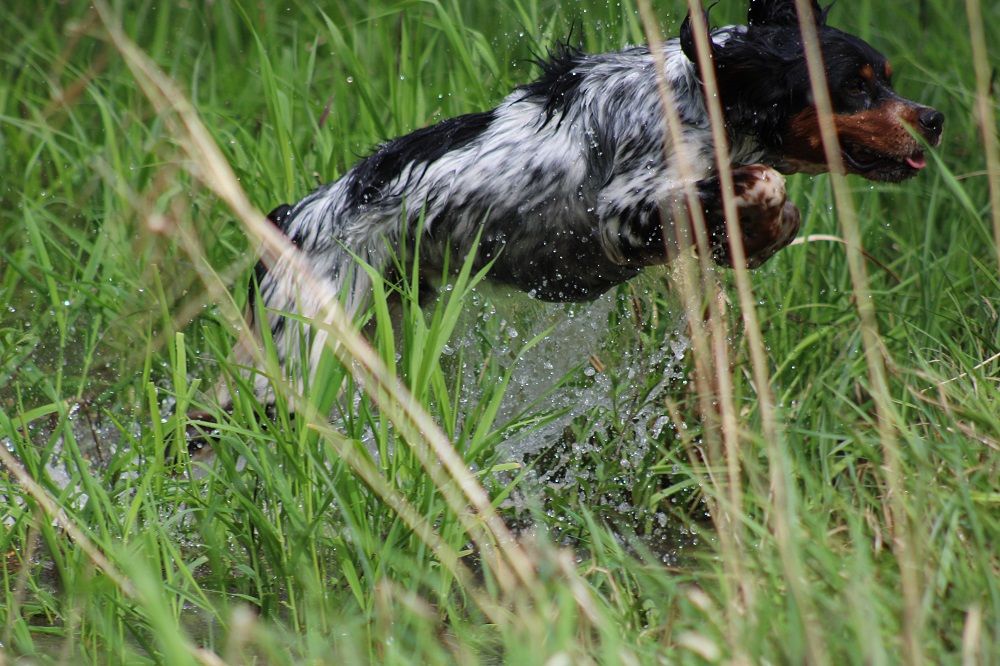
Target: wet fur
<point x="567" y="184"/>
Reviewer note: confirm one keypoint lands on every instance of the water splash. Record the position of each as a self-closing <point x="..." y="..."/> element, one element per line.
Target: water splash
<point x="595" y="382"/>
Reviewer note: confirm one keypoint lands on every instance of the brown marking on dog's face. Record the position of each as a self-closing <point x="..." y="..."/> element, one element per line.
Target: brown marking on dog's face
<point x="868" y="73"/>
<point x="887" y="70"/>
<point x="875" y="143"/>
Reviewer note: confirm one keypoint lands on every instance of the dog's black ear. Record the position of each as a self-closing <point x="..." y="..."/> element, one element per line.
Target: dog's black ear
<point x="687" y="39"/>
<point x="782" y="13"/>
<point x="688" y="44"/>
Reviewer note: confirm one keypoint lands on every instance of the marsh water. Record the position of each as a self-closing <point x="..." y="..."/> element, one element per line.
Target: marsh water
<point x="583" y="412"/>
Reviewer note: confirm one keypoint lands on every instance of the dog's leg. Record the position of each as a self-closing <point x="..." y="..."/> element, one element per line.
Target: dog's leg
<point x="643" y="234"/>
<point x="768" y="220"/>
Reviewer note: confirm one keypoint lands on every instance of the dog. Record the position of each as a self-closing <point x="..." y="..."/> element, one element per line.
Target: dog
<point x="566" y="190"/>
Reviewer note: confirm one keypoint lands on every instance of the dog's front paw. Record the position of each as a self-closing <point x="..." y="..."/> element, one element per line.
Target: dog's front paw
<point x="768" y="220"/>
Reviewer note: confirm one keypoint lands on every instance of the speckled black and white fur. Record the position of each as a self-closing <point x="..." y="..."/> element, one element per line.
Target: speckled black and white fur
<point x="567" y="182"/>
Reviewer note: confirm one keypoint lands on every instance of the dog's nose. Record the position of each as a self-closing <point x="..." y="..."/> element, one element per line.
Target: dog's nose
<point x="932" y="122"/>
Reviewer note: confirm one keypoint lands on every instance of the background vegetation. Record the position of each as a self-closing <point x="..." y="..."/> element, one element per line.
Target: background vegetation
<point x="859" y="535"/>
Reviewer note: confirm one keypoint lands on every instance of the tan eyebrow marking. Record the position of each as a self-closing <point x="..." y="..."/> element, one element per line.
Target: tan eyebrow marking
<point x="868" y="72"/>
<point x="888" y="70"/>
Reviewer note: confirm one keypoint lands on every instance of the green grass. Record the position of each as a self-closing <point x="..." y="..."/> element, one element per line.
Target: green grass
<point x="345" y="543"/>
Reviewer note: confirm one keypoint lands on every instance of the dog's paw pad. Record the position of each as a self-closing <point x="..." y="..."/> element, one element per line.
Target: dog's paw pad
<point x="765" y="239"/>
<point x="758" y="186"/>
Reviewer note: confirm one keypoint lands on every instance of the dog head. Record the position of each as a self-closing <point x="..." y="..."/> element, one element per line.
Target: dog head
<point x="765" y="90"/>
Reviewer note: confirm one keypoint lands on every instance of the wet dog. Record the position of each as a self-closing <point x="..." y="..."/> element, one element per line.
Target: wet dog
<point x="568" y="186"/>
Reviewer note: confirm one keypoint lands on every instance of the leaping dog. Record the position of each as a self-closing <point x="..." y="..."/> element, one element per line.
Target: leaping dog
<point x="567" y="183"/>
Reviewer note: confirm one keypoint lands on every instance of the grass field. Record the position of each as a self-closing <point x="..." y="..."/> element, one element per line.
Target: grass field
<point x="667" y="507"/>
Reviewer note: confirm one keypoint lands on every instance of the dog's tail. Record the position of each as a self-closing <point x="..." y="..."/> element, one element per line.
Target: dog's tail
<point x="287" y="306"/>
<point x="241" y="354"/>
<point x="278" y="216"/>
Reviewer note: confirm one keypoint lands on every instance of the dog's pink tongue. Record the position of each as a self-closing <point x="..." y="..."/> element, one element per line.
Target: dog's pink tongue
<point x="917" y="162"/>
